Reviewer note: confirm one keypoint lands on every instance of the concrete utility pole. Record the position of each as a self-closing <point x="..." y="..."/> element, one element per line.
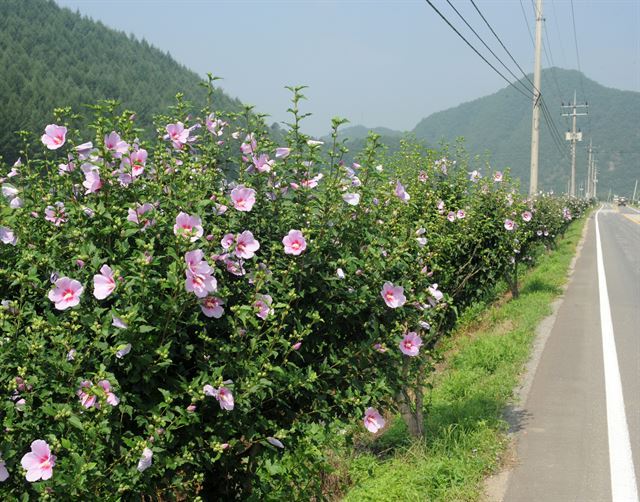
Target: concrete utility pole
<point x="535" y="119"/>
<point x="589" y="173"/>
<point x="633" y="199"/>
<point x="573" y="136"/>
<point x="595" y="179"/>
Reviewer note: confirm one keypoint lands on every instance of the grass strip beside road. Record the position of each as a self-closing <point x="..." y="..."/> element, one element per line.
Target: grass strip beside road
<point x="466" y="436"/>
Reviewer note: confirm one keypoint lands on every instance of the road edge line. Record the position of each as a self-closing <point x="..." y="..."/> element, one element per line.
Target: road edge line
<point x="623" y="478"/>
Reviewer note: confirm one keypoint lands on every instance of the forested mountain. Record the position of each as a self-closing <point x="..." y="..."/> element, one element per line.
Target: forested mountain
<point x="52" y="57"/>
<point x="361" y="132"/>
<point x="498" y="127"/>
<point x="501" y="124"/>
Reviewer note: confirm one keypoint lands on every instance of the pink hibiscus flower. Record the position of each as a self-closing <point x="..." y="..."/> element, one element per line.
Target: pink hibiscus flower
<point x="215" y="126"/>
<point x="136" y="214"/>
<point x="92" y="181"/>
<point x="122" y="350"/>
<point x="112" y="399"/>
<point x="401" y="192"/>
<point x="393" y="295"/>
<point x="113" y="143"/>
<point x="435" y="293"/>
<point x="410" y="344"/>
<point x="196" y="264"/>
<point x="275" y="442"/>
<point x="54" y="136"/>
<point x="526" y="216"/>
<point x="282" y="152"/>
<point x="294" y="242"/>
<point x="103" y="283"/>
<point x="87" y="399"/>
<point x="212" y="307"/>
<point x="353" y="199"/>
<point x="66" y="293"/>
<point x="460" y="214"/>
<point x="373" y="421"/>
<point x="135" y="163"/>
<point x="234" y="267"/>
<point x="84" y="150"/>
<point x="509" y="224"/>
<point x="262" y="163"/>
<point x="177" y="134"/>
<point x="9" y="191"/>
<point x="118" y="323"/>
<point x="8" y="236"/>
<point x="55" y="214"/>
<point x="451" y="216"/>
<point x="249" y="145"/>
<point x="145" y="460"/>
<point x="200" y="280"/>
<point x="246" y="245"/>
<point x="39" y="462"/>
<point x="222" y="394"/>
<point x="243" y="198"/>
<point x="200" y="284"/>
<point x="227" y="241"/>
<point x="312" y="182"/>
<point x="262" y="306"/>
<point x="188" y="226"/>
<point x="4" y="474"/>
<point x="497" y="176"/>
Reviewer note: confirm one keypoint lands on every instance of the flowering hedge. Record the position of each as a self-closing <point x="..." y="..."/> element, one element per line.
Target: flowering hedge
<point x="188" y="317"/>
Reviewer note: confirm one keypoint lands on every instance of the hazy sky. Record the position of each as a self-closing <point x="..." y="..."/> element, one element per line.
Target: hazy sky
<point x="378" y="62"/>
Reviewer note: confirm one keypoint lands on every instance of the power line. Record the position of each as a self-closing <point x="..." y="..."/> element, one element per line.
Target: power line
<point x="575" y="39"/>
<point x="475" y="50"/>
<point x="503" y="46"/>
<point x="489" y="48"/>
<point x="555" y="134"/>
<point x="555" y="19"/>
<point x="553" y="130"/>
<point x="526" y="20"/>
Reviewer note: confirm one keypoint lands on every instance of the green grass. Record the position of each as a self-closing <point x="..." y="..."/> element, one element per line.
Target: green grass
<point x="466" y="435"/>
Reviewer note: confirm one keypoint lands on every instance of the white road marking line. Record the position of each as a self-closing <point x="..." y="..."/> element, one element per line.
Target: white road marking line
<point x="633" y="209"/>
<point x="623" y="477"/>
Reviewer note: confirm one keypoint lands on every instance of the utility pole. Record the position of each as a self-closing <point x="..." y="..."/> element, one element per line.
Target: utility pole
<point x="589" y="173"/>
<point x="573" y="136"/>
<point x="535" y="119"/>
<point x="595" y="179"/>
<point x="633" y="199"/>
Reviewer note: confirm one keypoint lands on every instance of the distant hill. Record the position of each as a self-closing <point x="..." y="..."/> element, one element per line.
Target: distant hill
<point x="501" y="124"/>
<point x="361" y="132"/>
<point x="52" y="57"/>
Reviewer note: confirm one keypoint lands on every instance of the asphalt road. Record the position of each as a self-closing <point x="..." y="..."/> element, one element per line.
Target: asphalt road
<point x="571" y="445"/>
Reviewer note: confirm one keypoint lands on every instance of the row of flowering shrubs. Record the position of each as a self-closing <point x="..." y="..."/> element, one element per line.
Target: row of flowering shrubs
<point x="186" y="317"/>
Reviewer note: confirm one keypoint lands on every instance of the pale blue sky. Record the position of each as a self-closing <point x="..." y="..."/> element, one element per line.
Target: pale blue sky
<point x="378" y="63"/>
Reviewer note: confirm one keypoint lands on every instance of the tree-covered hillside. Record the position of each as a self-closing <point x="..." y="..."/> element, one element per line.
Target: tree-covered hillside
<point x="501" y="124"/>
<point x="498" y="128"/>
<point x="52" y="57"/>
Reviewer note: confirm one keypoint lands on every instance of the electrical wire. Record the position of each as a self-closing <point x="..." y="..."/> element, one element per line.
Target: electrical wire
<point x="575" y="39"/>
<point x="547" y="117"/>
<point x="526" y="20"/>
<point x="489" y="48"/>
<point x="555" y="134"/>
<point x="503" y="46"/>
<point x="476" y="50"/>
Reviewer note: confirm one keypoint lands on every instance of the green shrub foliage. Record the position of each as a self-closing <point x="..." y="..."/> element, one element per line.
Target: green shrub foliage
<point x="217" y="340"/>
